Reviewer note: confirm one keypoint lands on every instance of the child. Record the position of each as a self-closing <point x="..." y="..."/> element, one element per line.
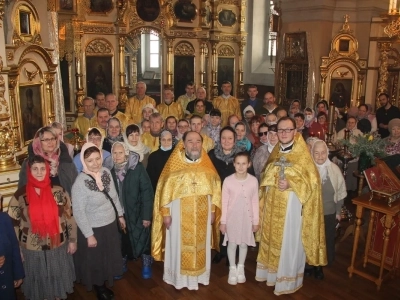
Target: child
<point x="240" y="215"/>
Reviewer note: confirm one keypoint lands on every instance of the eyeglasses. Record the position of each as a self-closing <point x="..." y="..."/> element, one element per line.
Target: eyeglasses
<point x="287" y="130"/>
<point x="49" y="140"/>
<point x="260" y="134"/>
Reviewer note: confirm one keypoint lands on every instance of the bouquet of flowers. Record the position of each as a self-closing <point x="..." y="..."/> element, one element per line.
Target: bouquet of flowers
<point x="369" y="145"/>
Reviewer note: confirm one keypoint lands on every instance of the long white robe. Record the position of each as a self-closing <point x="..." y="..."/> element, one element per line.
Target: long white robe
<point x="172" y="259"/>
<point x="289" y="277"/>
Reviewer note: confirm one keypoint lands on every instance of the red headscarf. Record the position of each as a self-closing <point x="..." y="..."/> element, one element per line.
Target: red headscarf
<point x="43" y="210"/>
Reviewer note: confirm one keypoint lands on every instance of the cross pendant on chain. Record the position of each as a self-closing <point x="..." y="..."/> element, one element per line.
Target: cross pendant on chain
<point x="194" y="185"/>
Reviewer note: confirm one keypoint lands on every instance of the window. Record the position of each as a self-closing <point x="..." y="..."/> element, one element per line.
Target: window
<point x="154" y="51"/>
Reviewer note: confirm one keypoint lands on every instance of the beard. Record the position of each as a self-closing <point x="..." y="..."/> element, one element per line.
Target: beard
<point x="194" y="154"/>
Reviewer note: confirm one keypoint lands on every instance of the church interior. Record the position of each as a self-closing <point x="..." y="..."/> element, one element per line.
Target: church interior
<point x="55" y="53"/>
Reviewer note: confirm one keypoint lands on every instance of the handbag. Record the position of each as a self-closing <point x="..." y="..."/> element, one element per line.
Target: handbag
<point x="120" y="229"/>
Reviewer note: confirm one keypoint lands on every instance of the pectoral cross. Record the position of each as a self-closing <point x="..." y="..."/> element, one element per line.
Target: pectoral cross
<point x="194" y="185"/>
<point x="283" y="164"/>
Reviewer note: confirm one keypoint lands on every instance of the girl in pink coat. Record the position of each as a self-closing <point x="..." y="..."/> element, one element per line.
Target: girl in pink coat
<point x="240" y="215"/>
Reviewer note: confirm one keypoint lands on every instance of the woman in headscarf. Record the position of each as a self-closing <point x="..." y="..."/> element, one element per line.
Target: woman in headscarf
<point x="333" y="194"/>
<point x="46" y="230"/>
<point x="93" y="136"/>
<point x="319" y="128"/>
<point x="97" y="211"/>
<point x="393" y="140"/>
<point x="132" y="139"/>
<point x="241" y="138"/>
<point x="222" y="157"/>
<point x="113" y="133"/>
<point x="136" y="196"/>
<point x="309" y="117"/>
<point x="158" y="158"/>
<point x="47" y="145"/>
<point x="269" y="138"/>
<point x="253" y="134"/>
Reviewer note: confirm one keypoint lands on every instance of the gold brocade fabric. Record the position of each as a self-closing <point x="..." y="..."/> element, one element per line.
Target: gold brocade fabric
<point x="208" y="143"/>
<point x="194" y="216"/>
<point x="192" y="183"/>
<point x="83" y="124"/>
<point x="134" y="108"/>
<point x="227" y="107"/>
<point x="184" y="100"/>
<point x="174" y="109"/>
<point x="152" y="142"/>
<point x="305" y="182"/>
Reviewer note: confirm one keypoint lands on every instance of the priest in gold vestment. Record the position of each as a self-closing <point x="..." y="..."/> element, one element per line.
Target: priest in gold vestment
<point x="186" y="215"/>
<point x="291" y="213"/>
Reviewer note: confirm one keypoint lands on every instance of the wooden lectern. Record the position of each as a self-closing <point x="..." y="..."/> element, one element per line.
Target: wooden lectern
<point x="383" y="238"/>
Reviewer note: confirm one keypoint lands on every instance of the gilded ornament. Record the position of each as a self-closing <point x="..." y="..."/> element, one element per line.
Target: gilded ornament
<point x="31" y="75"/>
<point x="16" y="40"/>
<point x="99" y="46"/>
<point x="184" y="34"/>
<point x="95" y="28"/>
<point x="230" y="2"/>
<point x="226" y="50"/>
<point x="184" y="49"/>
<point x="1" y="10"/>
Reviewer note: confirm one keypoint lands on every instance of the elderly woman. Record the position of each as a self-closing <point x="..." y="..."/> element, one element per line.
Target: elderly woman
<point x="47" y="145"/>
<point x="136" y="196"/>
<point x="393" y="140"/>
<point x="241" y="139"/>
<point x="269" y="138"/>
<point x="309" y="117"/>
<point x="97" y="211"/>
<point x="132" y="139"/>
<point x="333" y="194"/>
<point x="46" y="230"/>
<point x="113" y="133"/>
<point x="222" y="157"/>
<point x="93" y="136"/>
<point x="158" y="158"/>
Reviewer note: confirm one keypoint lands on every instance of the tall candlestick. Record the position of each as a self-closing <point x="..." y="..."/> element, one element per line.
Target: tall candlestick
<point x="331" y="117"/>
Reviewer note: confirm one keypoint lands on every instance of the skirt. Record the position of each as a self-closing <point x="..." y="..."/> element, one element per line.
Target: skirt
<point x="49" y="274"/>
<point x="98" y="264"/>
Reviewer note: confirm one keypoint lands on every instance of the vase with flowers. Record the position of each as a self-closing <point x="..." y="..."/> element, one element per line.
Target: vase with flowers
<point x="366" y="147"/>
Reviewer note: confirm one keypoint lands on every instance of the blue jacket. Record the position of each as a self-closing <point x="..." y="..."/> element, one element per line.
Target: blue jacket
<point x="12" y="268"/>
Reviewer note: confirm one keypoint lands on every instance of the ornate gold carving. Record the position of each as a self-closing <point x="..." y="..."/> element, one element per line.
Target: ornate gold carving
<point x="384" y="48"/>
<point x="99" y="46"/>
<point x="97" y="28"/>
<point x="346" y="26"/>
<point x="1" y="10"/>
<point x="183" y="34"/>
<point x="135" y="20"/>
<point x="31" y="75"/>
<point x="37" y="39"/>
<point x="121" y="6"/>
<point x="10" y="55"/>
<point x="16" y="40"/>
<point x="226" y="50"/>
<point x="51" y="5"/>
<point x="49" y="80"/>
<point x="230" y="2"/>
<point x="42" y="52"/>
<point x="184" y="49"/>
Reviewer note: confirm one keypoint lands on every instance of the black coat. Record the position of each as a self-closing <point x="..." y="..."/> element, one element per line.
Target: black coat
<point x="155" y="165"/>
<point x="225" y="169"/>
<point x="258" y="108"/>
<point x="67" y="172"/>
<point x="12" y="268"/>
<point x="137" y="199"/>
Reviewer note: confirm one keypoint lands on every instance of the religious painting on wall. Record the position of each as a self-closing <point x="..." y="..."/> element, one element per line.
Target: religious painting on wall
<point x="185" y="10"/>
<point x="226" y="17"/>
<point x="30" y="105"/>
<point x="98" y="75"/>
<point x="148" y="10"/>
<point x="66" y="6"/>
<point x="226" y="67"/>
<point x="340" y="93"/>
<point x="24" y="22"/>
<point x="183" y="73"/>
<point x="101" y="6"/>
<point x="65" y="84"/>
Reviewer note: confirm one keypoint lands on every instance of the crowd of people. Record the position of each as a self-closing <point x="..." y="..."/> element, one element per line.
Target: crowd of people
<point x="170" y="182"/>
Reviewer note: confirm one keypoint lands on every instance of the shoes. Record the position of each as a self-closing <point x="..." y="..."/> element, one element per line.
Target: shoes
<point x="240" y="274"/>
<point x="118" y="277"/>
<point x="125" y="264"/>
<point x="147" y="261"/>
<point x="218" y="257"/>
<point x="308" y="272"/>
<point x="318" y="273"/>
<point x="232" y="278"/>
<point x="103" y="293"/>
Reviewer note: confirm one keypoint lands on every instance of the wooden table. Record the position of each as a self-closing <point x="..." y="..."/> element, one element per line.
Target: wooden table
<point x="376" y="205"/>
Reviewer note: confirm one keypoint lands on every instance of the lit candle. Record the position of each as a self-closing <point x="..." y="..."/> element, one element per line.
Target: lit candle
<point x="319" y="136"/>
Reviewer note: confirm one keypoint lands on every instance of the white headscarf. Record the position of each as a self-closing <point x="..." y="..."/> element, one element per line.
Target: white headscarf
<point x="322" y="169"/>
<point x="140" y="148"/>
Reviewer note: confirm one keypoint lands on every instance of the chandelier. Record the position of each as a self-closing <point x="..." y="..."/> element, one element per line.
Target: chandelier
<point x="393" y="29"/>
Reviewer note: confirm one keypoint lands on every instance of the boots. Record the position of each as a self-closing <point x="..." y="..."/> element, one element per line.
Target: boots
<point x="103" y="293"/>
<point x="318" y="273"/>
<point x="232" y="278"/>
<point x="240" y="274"/>
<point x="147" y="260"/>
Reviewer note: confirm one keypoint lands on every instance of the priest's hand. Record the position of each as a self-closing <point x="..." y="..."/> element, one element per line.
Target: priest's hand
<point x="255" y="228"/>
<point x="91" y="241"/>
<point x="212" y="217"/>
<point x="167" y="221"/>
<point x="146" y="223"/>
<point x="283" y="184"/>
<point x="222" y="228"/>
